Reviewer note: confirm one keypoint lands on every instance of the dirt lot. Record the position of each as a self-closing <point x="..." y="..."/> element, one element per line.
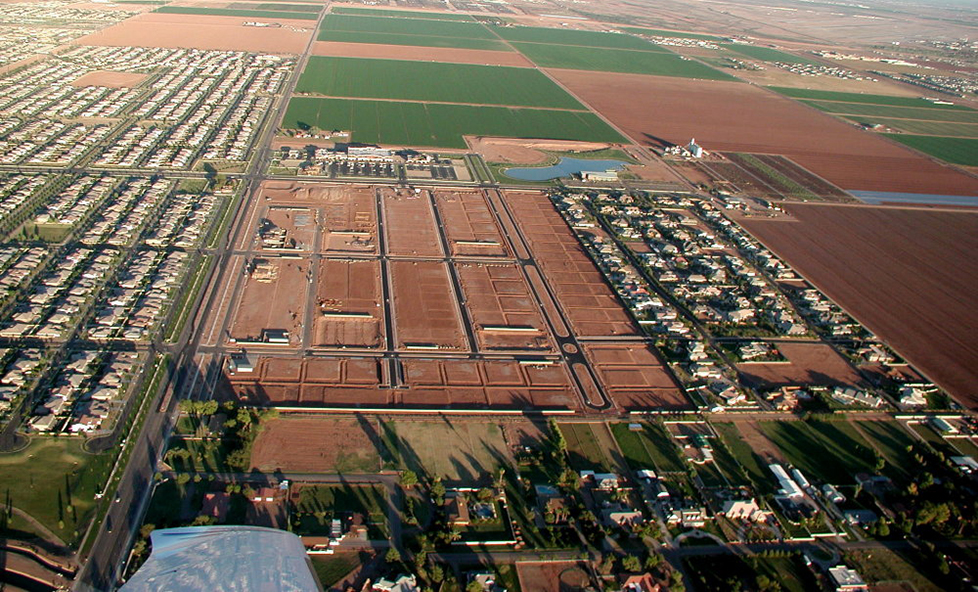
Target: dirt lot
<point x="906" y="273"/>
<point x="424" y="306"/>
<point x="764" y="123"/>
<point x="110" y="79"/>
<point x="410" y="224"/>
<point x="504" y="313"/>
<point x="460" y="451"/>
<point x="469" y="226"/>
<point x="349" y="220"/>
<point x="808" y="364"/>
<point x="300" y="226"/>
<point x="317" y="445"/>
<point x="633" y="376"/>
<point x="589" y="304"/>
<point x="274" y="297"/>
<point x="552" y="576"/>
<point x="348" y="309"/>
<point x="177" y="31"/>
<point x="520" y="151"/>
<point x="420" y="54"/>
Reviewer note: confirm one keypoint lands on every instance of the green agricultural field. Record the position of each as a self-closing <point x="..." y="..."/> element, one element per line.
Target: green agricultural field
<point x="963" y="151"/>
<point x="406" y="14"/>
<point x="572" y="37"/>
<point x="632" y="447"/>
<point x="767" y="54"/>
<point x="892" y="442"/>
<point x="55" y="482"/>
<point x="934" y="439"/>
<point x="367" y="29"/>
<point x="433" y="81"/>
<point x="618" y="60"/>
<point x="958" y="115"/>
<point x="925" y="128"/>
<point x="844" y="97"/>
<point x="440" y="125"/>
<point x="753" y="466"/>
<point x="583" y="451"/>
<point x="262" y="14"/>
<point x="649" y="448"/>
<point x="274" y="6"/>
<point x="675" y="34"/>
<point x="831" y="451"/>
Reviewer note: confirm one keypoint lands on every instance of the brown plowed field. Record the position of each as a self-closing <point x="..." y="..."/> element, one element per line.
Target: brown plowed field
<point x="808" y="364"/>
<point x="275" y="300"/>
<point x="468" y="224"/>
<point x="177" y="31"/>
<point x="633" y="376"/>
<point x="731" y="116"/>
<point x="503" y="311"/>
<point x="348" y="310"/>
<point x="420" y="54"/>
<point x="410" y="224"/>
<point x="907" y="274"/>
<point x="591" y="307"/>
<point x="424" y="306"/>
<point x="316" y="445"/>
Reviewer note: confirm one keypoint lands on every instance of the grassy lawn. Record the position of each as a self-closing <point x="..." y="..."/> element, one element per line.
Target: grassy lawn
<point x="330" y="569"/>
<point x="883" y="565"/>
<point x="729" y="572"/>
<point x="630" y="61"/>
<point x="767" y="54"/>
<point x="440" y="125"/>
<point x="432" y="81"/>
<point x="749" y="461"/>
<point x="177" y="321"/>
<point x="583" y="450"/>
<point x="461" y="451"/>
<point x="263" y="14"/>
<point x="727" y="464"/>
<point x="934" y="439"/>
<point x="828" y="95"/>
<point x="206" y="456"/>
<point x="963" y="151"/>
<point x="830" y="451"/>
<point x="55" y="481"/>
<point x="330" y="500"/>
<point x="632" y="447"/>
<point x="663" y="449"/>
<point x="965" y="446"/>
<point x="575" y="37"/>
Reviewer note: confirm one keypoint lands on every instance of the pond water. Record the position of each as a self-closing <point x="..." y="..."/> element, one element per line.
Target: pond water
<point x="564" y="168"/>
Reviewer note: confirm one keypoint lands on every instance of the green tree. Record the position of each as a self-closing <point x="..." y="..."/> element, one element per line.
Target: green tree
<point x="631" y="563"/>
<point x="408" y="479"/>
<point x="473" y="586"/>
<point x="393" y="555"/>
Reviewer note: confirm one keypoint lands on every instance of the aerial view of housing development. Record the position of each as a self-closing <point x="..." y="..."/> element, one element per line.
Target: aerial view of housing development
<point x="489" y="295"/>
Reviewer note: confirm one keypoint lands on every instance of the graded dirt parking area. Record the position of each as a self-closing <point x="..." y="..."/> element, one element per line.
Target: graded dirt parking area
<point x="178" y="31"/>
<point x="808" y="364"/>
<point x="110" y="79"/>
<point x="348" y="312"/>
<point x="906" y="273"/>
<point x="274" y="298"/>
<point x="409" y="223"/>
<point x="317" y="445"/>
<point x="460" y="451"/>
<point x="420" y="54"/>
<point x="504" y="314"/>
<point x="552" y="576"/>
<point x="468" y="224"/>
<point x="633" y="376"/>
<point x="588" y="303"/>
<point x="765" y="123"/>
<point x="424" y="306"/>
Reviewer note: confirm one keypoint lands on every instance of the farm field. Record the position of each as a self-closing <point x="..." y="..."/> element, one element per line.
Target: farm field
<point x="807" y="443"/>
<point x="675" y="34"/>
<point x="785" y="177"/>
<point x="178" y="31"/>
<point x="963" y="151"/>
<point x="892" y="441"/>
<point x="871" y="99"/>
<point x="925" y="114"/>
<point x="432" y="81"/>
<point x="594" y="39"/>
<point x="890" y="281"/>
<point x="420" y="53"/>
<point x="647" y="448"/>
<point x="660" y="63"/>
<point x="440" y="125"/>
<point x="767" y="54"/>
<point x="261" y="14"/>
<point x="463" y="451"/>
<point x="926" y="128"/>
<point x="583" y="451"/>
<point x="753" y="465"/>
<point x="408" y="31"/>
<point x="406" y="14"/>
<point x="317" y="445"/>
<point x="766" y="124"/>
